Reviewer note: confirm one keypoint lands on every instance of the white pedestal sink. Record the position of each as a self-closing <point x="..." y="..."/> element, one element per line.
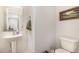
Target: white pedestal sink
<point x="12" y="37"/>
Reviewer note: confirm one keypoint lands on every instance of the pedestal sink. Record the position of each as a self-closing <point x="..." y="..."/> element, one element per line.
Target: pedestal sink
<point x="12" y="38"/>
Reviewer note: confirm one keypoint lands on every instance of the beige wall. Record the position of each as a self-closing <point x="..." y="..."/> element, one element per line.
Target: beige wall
<point x="1" y="19"/>
<point x="4" y="44"/>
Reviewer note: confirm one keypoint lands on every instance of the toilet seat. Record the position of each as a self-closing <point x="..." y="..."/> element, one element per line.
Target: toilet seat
<point x="60" y="50"/>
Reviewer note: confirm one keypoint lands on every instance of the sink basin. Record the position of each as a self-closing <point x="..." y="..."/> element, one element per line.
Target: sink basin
<point x="12" y="36"/>
<point x="9" y="35"/>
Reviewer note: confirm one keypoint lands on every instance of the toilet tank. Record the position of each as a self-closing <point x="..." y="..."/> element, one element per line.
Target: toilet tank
<point x="69" y="44"/>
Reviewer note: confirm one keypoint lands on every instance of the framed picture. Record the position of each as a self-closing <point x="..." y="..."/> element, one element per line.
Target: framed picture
<point x="72" y="13"/>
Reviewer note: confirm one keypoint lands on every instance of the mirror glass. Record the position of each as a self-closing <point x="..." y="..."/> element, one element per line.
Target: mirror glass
<point x="10" y="18"/>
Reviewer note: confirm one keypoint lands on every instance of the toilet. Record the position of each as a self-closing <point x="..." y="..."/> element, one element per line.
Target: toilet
<point x="68" y="45"/>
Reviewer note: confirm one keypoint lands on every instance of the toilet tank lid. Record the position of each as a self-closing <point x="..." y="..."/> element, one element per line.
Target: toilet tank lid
<point x="70" y="39"/>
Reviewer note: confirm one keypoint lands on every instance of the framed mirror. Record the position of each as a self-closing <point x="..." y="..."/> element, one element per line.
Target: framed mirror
<point x="12" y="19"/>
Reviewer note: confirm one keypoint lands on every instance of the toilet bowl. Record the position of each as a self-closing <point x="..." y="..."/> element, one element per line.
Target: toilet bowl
<point x="69" y="45"/>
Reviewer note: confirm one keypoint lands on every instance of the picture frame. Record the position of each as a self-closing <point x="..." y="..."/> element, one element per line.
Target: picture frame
<point x="72" y="13"/>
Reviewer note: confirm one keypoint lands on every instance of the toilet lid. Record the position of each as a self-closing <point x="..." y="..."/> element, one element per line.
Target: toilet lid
<point x="61" y="51"/>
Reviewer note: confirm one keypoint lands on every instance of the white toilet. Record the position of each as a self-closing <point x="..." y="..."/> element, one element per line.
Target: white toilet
<point x="69" y="45"/>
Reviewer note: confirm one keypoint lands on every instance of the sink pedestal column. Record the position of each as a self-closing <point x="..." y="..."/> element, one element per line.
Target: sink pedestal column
<point x="13" y="46"/>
